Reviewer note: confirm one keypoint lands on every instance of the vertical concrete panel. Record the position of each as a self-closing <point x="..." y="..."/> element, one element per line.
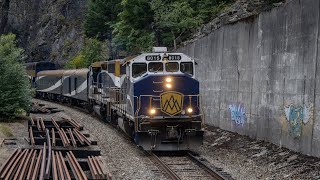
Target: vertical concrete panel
<point x="265" y="68"/>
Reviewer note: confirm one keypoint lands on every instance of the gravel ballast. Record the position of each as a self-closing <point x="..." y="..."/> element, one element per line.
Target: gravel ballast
<point x="240" y="156"/>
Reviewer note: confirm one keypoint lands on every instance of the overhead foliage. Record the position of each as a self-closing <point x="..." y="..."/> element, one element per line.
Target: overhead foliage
<point x="100" y="17"/>
<point x="134" y="27"/>
<point x="175" y="19"/>
<point x="137" y="25"/>
<point x="92" y="51"/>
<point x="15" y="90"/>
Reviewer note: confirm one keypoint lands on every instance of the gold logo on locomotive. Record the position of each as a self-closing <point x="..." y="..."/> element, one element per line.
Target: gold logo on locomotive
<point x="171" y="102"/>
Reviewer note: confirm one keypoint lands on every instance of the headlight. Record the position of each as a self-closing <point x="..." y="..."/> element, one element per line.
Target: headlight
<point x="168" y="79"/>
<point x="189" y="110"/>
<point x="169" y="86"/>
<point x="152" y="111"/>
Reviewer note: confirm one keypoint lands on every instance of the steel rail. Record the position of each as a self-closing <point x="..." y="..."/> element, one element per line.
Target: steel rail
<point x="26" y="165"/>
<point x="66" y="172"/>
<point x="208" y="169"/>
<point x="55" y="124"/>
<point x="21" y="165"/>
<point x="53" y="137"/>
<point x="48" y="166"/>
<point x="80" y="139"/>
<point x="54" y="167"/>
<point x="13" y="167"/>
<point x="86" y="140"/>
<point x="31" y="120"/>
<point x="43" y="127"/>
<point x="37" y="167"/>
<point x="65" y="137"/>
<point x="38" y="125"/>
<point x="5" y="165"/>
<point x="73" y="140"/>
<point x="93" y="169"/>
<point x="98" y="168"/>
<point x="43" y="162"/>
<point x="78" y="166"/>
<point x="32" y="163"/>
<point x="164" y="166"/>
<point x="31" y="136"/>
<point x="74" y="167"/>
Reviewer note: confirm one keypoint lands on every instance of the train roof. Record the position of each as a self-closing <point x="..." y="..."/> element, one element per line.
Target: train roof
<point x="76" y="72"/>
<point x="51" y="73"/>
<point x="68" y="72"/>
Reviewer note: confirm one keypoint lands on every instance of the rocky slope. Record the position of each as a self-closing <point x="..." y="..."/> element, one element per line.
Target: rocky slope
<point x="240" y="10"/>
<point x="49" y="30"/>
<point x="52" y="30"/>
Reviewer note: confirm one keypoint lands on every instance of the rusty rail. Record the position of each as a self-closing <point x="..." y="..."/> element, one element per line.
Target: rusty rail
<point x="95" y="165"/>
<point x="43" y="127"/>
<point x="82" y="137"/>
<point x="31" y="136"/>
<point x="73" y="140"/>
<point x="75" y="166"/>
<point x="54" y="122"/>
<point x="53" y="134"/>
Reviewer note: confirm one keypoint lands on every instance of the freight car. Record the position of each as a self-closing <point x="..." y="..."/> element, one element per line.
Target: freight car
<point x="153" y="97"/>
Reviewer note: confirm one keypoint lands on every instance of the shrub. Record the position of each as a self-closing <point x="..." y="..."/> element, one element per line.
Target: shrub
<point x="15" y="90"/>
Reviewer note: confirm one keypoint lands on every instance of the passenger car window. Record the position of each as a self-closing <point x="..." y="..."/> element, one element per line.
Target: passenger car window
<point x="138" y="69"/>
<point x="155" y="67"/>
<point x="172" y="67"/>
<point x="187" y="68"/>
<point x="111" y="68"/>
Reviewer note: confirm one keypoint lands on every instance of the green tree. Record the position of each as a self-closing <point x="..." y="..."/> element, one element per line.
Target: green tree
<point x="92" y="51"/>
<point x="208" y="9"/>
<point x="15" y="90"/>
<point x="134" y="27"/>
<point x="176" y="18"/>
<point x="101" y="15"/>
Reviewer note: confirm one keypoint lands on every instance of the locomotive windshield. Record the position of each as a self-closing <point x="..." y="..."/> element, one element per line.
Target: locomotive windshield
<point x="138" y="69"/>
<point x="187" y="68"/>
<point x="172" y="67"/>
<point x="155" y="67"/>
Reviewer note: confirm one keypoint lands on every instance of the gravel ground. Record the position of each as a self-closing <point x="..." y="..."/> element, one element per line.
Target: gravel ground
<point x="248" y="159"/>
<point x="12" y="132"/>
<point x="240" y="156"/>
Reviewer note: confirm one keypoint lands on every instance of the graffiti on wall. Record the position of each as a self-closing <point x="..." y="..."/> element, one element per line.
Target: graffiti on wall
<point x="238" y="113"/>
<point x="297" y="115"/>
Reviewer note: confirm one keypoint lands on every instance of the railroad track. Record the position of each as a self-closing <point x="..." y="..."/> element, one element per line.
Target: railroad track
<point x="187" y="166"/>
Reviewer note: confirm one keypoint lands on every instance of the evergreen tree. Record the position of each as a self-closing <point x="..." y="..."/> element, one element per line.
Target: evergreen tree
<point x="15" y="90"/>
<point x="92" y="51"/>
<point x="134" y="27"/>
<point x="175" y="19"/>
<point x="100" y="17"/>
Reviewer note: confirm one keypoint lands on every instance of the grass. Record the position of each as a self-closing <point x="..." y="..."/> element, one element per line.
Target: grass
<point x="5" y="130"/>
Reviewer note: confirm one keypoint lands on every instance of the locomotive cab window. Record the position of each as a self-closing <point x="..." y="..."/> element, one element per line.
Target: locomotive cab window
<point x="172" y="67"/>
<point x="155" y="67"/>
<point x="138" y="69"/>
<point x="187" y="68"/>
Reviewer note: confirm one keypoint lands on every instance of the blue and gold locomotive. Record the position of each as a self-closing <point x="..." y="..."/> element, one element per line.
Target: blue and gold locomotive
<point x="153" y="97"/>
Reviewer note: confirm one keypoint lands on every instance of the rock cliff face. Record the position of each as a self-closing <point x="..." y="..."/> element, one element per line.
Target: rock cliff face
<point x="49" y="30"/>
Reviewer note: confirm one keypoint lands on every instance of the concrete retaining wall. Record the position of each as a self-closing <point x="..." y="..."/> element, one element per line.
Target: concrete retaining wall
<point x="260" y="77"/>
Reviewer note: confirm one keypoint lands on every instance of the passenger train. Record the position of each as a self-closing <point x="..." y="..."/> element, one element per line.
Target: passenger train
<point x="153" y="97"/>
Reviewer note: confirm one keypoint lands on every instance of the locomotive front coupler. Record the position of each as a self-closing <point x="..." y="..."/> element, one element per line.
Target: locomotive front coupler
<point x="172" y="132"/>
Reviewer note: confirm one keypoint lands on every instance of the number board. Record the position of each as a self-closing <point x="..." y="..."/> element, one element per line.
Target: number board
<point x="174" y="58"/>
<point x="153" y="58"/>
